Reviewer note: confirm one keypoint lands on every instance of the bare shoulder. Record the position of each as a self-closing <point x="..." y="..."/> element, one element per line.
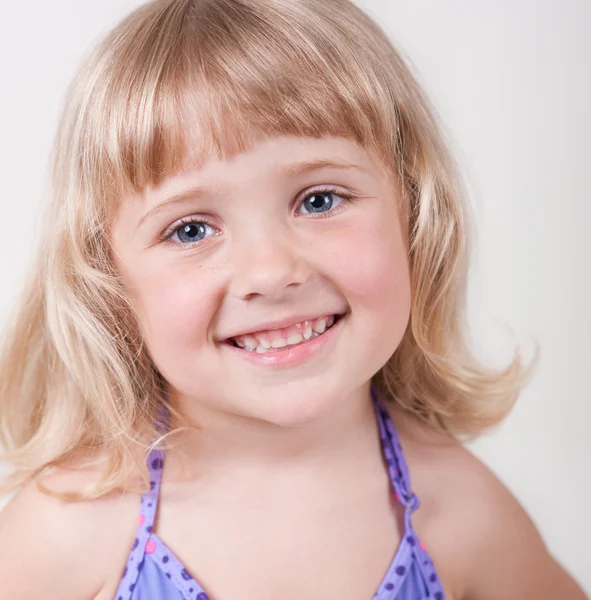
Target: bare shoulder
<point x="56" y="549"/>
<point x="481" y="539"/>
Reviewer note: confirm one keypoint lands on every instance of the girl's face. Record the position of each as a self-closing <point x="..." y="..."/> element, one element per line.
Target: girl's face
<point x="227" y="262"/>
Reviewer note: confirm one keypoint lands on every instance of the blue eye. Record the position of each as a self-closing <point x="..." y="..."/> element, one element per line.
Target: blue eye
<point x="321" y="202"/>
<point x="191" y="231"/>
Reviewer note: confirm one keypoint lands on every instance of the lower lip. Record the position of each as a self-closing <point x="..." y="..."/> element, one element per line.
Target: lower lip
<point x="291" y="357"/>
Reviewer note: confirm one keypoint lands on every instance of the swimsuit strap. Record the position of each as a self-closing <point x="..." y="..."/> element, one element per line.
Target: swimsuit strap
<point x="155" y="464"/>
<point x="147" y="516"/>
<point x="149" y="504"/>
<point x="394" y="455"/>
<point x="412" y="550"/>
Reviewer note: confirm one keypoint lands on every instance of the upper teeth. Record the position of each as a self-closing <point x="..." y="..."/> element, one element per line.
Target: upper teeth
<point x="290" y="336"/>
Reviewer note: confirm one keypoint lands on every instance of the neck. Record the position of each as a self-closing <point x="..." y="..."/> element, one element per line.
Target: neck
<point x="230" y="443"/>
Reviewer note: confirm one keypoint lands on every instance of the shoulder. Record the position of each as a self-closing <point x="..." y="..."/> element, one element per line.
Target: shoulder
<point x="483" y="541"/>
<point x="56" y="549"/>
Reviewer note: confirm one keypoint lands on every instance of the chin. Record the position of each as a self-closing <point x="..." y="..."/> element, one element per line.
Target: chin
<point x="294" y="405"/>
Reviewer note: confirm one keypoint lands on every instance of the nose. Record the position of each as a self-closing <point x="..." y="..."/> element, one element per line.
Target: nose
<point x="267" y="264"/>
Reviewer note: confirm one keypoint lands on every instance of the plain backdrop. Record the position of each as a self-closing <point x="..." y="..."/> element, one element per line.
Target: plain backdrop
<point x="511" y="80"/>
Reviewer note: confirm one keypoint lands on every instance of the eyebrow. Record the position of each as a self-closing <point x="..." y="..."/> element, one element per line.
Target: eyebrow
<point x="300" y="168"/>
<point x="312" y="165"/>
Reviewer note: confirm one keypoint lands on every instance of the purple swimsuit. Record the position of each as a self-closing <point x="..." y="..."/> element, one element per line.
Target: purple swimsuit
<point x="154" y="573"/>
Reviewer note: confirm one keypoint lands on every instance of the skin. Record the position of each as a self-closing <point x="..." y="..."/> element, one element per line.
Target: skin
<point x="285" y="481"/>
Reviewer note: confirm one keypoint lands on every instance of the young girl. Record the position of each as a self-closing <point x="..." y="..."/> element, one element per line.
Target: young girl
<point x="240" y="367"/>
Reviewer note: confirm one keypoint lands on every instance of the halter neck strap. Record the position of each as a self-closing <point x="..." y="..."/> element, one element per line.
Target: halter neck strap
<point x="394" y="455"/>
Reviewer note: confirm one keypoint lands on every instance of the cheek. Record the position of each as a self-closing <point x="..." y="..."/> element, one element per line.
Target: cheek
<point x="372" y="271"/>
<point x="373" y="267"/>
<point x="174" y="306"/>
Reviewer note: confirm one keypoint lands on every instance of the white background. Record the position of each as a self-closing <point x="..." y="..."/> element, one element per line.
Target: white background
<point x="511" y="81"/>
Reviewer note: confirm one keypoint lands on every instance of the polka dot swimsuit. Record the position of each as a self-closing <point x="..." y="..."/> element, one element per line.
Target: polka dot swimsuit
<point x="153" y="572"/>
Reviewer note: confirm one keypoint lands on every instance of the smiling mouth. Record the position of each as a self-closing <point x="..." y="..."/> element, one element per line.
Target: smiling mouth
<point x="284" y="339"/>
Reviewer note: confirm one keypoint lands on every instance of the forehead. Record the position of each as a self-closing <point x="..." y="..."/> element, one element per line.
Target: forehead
<point x="288" y="155"/>
<point x="273" y="164"/>
<point x="271" y="161"/>
<point x="194" y="146"/>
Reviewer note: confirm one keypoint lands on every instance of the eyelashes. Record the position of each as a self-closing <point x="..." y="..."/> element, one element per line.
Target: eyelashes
<point x="192" y="231"/>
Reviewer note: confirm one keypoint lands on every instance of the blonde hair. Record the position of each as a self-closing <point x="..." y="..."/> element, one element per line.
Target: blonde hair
<point x="75" y="377"/>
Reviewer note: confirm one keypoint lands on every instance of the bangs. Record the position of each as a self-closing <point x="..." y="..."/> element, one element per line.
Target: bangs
<point x="194" y="80"/>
